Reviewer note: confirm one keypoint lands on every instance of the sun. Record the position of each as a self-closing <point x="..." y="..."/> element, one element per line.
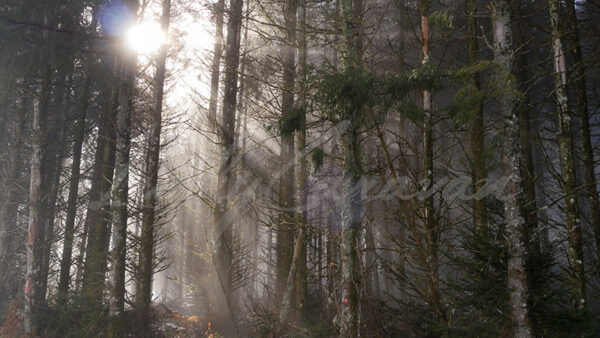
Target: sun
<point x="145" y="37"/>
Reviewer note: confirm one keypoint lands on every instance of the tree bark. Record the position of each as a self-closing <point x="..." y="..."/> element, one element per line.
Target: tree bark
<point x="513" y="207"/>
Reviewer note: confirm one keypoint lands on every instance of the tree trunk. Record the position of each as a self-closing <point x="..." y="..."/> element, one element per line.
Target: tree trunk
<point x="79" y="136"/>
<point x="290" y="285"/>
<point x="579" y="70"/>
<point x="52" y="173"/>
<point x="215" y="68"/>
<point x="302" y="174"/>
<point x="98" y="211"/>
<point x="8" y="208"/>
<point x="120" y="189"/>
<point x="285" y="232"/>
<point x="223" y="251"/>
<point x="575" y="248"/>
<point x="515" y="221"/>
<point x="52" y="169"/>
<point x="371" y="262"/>
<point x="65" y="263"/>
<point x="431" y="228"/>
<point x="352" y="199"/>
<point x="521" y="36"/>
<point x="36" y="235"/>
<point x="478" y="167"/>
<point x="143" y="296"/>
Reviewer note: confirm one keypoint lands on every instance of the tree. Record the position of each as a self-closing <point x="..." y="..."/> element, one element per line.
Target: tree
<point x="96" y="225"/>
<point x="215" y="68"/>
<point x="351" y="203"/>
<point x="285" y="232"/>
<point x="144" y="292"/>
<point x="79" y="136"/>
<point x="478" y="166"/>
<point x="223" y="250"/>
<point x="575" y="248"/>
<point x="10" y="199"/>
<point x="513" y="206"/>
<point x="302" y="168"/>
<point x="579" y="71"/>
<point x="35" y="238"/>
<point x="431" y="228"/>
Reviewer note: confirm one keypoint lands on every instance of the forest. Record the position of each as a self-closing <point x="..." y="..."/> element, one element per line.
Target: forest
<point x="299" y="168"/>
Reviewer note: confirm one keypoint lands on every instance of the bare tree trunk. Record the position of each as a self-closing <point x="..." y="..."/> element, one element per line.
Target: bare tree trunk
<point x="285" y="232"/>
<point x="143" y="296"/>
<point x="579" y="70"/>
<point x="575" y="248"/>
<point x="223" y="251"/>
<point x="515" y="221"/>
